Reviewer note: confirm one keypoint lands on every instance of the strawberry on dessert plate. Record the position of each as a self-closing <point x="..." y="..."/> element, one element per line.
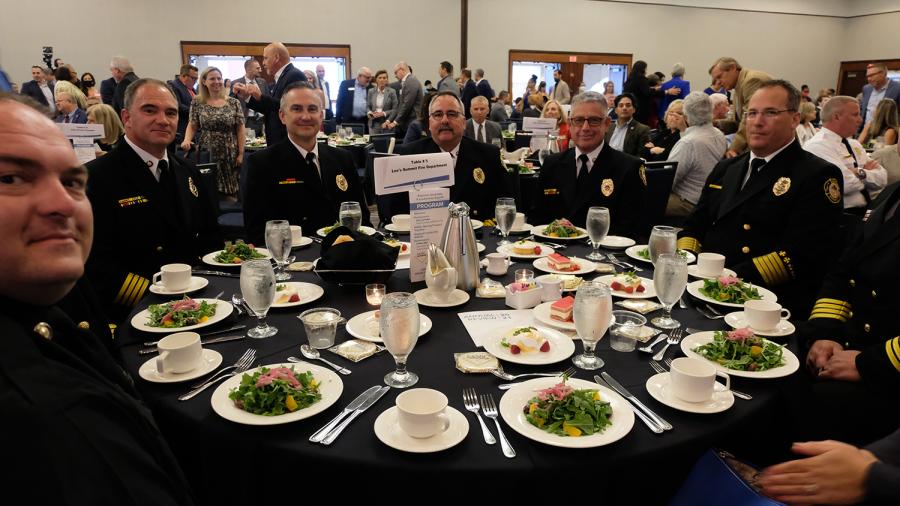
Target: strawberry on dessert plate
<point x="561" y="264"/>
<point x="525" y="249"/>
<point x="629" y="285"/>
<point x="530" y="345"/>
<point x="296" y="294"/>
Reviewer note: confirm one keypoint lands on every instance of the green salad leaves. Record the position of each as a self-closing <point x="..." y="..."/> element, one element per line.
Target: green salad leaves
<point x="742" y="350"/>
<point x="567" y="412"/>
<point x="237" y="253"/>
<point x="273" y="392"/>
<point x="729" y="289"/>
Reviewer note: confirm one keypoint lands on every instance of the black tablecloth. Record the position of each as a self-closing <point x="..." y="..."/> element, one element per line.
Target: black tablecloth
<point x="228" y="462"/>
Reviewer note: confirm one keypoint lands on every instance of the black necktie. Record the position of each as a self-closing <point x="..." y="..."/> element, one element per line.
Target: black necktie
<point x="166" y="180"/>
<point x="583" y="170"/>
<point x="846" y="143"/>
<point x="313" y="171"/>
<point x="756" y="166"/>
<point x="67" y="118"/>
<point x="480" y="133"/>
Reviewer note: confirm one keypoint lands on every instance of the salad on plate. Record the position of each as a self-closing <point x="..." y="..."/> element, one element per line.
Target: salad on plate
<point x="276" y="391"/>
<point x="180" y="313"/>
<point x="742" y="350"/>
<point x="567" y="412"/>
<point x="729" y="289"/>
<point x="562" y="228"/>
<point x="645" y="253"/>
<point x="237" y="253"/>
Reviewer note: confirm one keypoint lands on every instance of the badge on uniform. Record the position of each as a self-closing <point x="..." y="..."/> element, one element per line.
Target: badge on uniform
<point x="193" y="187"/>
<point x="866" y="216"/>
<point x="643" y="174"/>
<point x="341" y="182"/>
<point x="781" y="186"/>
<point x="833" y="190"/>
<point x="478" y="175"/>
<point x="607" y="187"/>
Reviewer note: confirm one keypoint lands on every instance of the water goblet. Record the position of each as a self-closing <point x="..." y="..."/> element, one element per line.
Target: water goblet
<point x="278" y="242"/>
<point x="597" y="228"/>
<point x="505" y="214"/>
<point x="662" y="240"/>
<point x="592" y="314"/>
<point x="399" y="325"/>
<point x="669" y="280"/>
<point x="350" y="215"/>
<point x="258" y="290"/>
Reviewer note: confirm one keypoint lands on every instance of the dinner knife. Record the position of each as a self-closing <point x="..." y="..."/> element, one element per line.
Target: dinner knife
<point x="320" y="434"/>
<point x="206" y="334"/>
<point x="640" y="414"/>
<point x="204" y="342"/>
<point x="340" y="428"/>
<point x="216" y="273"/>
<point x="634" y="400"/>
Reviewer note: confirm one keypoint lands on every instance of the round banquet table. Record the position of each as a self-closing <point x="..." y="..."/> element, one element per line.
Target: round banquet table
<point x="227" y="463"/>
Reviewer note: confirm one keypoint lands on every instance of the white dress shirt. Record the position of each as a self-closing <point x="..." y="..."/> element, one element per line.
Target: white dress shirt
<point x="48" y="94"/>
<point x="805" y="132"/>
<point x="828" y="146"/>
<point x="617" y="140"/>
<point x="151" y="161"/>
<point x="592" y="157"/>
<point x="303" y="152"/>
<point x="876" y="97"/>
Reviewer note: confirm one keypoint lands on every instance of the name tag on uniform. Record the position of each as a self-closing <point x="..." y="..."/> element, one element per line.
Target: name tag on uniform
<point x="551" y="191"/>
<point x="290" y="180"/>
<point x="133" y="201"/>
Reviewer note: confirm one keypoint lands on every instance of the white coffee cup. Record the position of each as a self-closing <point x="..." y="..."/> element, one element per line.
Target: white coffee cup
<point x="174" y="277"/>
<point x="710" y="264"/>
<point x="422" y="412"/>
<point x="179" y="353"/>
<point x="694" y="380"/>
<point x="401" y="221"/>
<point x="764" y="314"/>
<point x="519" y="222"/>
<point x="551" y="288"/>
<point x="296" y="234"/>
<point x="498" y="264"/>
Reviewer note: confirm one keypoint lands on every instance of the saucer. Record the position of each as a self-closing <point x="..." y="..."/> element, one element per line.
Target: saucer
<point x="525" y="228"/>
<point x="693" y="271"/>
<point x="387" y="429"/>
<point x="195" y="284"/>
<point x="304" y="241"/>
<point x="390" y="227"/>
<point x="616" y="242"/>
<point x="739" y="321"/>
<point x="211" y="360"/>
<point x="457" y="297"/>
<point x="658" y="387"/>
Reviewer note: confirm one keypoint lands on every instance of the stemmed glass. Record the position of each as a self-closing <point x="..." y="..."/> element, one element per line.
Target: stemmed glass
<point x="278" y="242"/>
<point x="662" y="240"/>
<point x="592" y="315"/>
<point x="350" y="215"/>
<point x="597" y="228"/>
<point x="399" y="325"/>
<point x="505" y="214"/>
<point x="258" y="290"/>
<point x="669" y="279"/>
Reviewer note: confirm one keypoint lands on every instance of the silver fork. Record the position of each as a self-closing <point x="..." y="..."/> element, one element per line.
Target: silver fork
<point x="240" y="366"/>
<point x="490" y="411"/>
<point x="470" y="400"/>
<point x="224" y="369"/>
<point x="674" y="338"/>
<point x="570" y="372"/>
<point x="707" y="314"/>
<point x="500" y="373"/>
<point x="736" y="393"/>
<point x="714" y="311"/>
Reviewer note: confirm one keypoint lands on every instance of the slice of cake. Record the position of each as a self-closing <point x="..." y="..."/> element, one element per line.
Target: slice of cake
<point x="627" y="282"/>
<point x="561" y="263"/>
<point x="526" y="248"/>
<point x="562" y="309"/>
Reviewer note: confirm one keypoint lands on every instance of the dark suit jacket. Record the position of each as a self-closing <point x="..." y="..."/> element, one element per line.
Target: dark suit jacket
<point x="619" y="174"/>
<point x="263" y="87"/>
<point x="780" y="230"/>
<point x="77" y="116"/>
<point x="108" y="91"/>
<point x="638" y="134"/>
<point x="344" y="109"/>
<point x="184" y="106"/>
<point x="121" y="86"/>
<point x="136" y="231"/>
<point x="269" y="104"/>
<point x="892" y="92"/>
<point x="280" y="188"/>
<point x="485" y="90"/>
<point x="476" y="160"/>
<point x="491" y="130"/>
<point x="469" y="92"/>
<point x="33" y="90"/>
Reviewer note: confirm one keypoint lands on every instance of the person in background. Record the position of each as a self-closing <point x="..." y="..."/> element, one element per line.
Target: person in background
<point x="478" y="127"/>
<point x="446" y="83"/>
<point x="382" y="103"/>
<point x="65" y="73"/>
<point x="639" y="87"/>
<point x="627" y="134"/>
<point x="418" y="129"/>
<point x="560" y="93"/>
<point x="39" y="88"/>
<point x="727" y="73"/>
<point x="67" y="111"/>
<point x="609" y="91"/>
<point x="113" y="129"/>
<point x="252" y="70"/>
<point x="73" y="91"/>
<point x="469" y="91"/>
<point x="677" y="83"/>
<point x="884" y="126"/>
<point x="535" y="106"/>
<point x="123" y="73"/>
<point x="889" y="158"/>
<point x="662" y="141"/>
<point x="806" y="130"/>
<point x="108" y="90"/>
<point x="553" y="109"/>
<point x="879" y="88"/>
<point x="89" y="88"/>
<point x="184" y="87"/>
<point x="500" y="109"/>
<point x="409" y="99"/>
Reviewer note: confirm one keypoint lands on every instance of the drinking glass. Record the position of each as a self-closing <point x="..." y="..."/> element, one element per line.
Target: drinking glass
<point x="278" y="242"/>
<point x="662" y="240"/>
<point x="524" y="275"/>
<point x="597" y="228"/>
<point x="496" y="142"/>
<point x="592" y="315"/>
<point x="258" y="290"/>
<point x="505" y="214"/>
<point x="669" y="279"/>
<point x="511" y="127"/>
<point x="399" y="325"/>
<point x="350" y="215"/>
<point x="375" y="294"/>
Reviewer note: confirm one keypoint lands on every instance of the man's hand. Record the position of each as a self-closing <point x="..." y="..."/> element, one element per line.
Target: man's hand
<point x="730" y="153"/>
<point x="240" y="89"/>
<point x="253" y="90"/>
<point x="872" y="165"/>
<point x="673" y="91"/>
<point x="820" y="353"/>
<point x="841" y="366"/>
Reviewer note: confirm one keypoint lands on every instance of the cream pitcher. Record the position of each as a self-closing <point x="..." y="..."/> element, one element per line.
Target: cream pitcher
<point x="459" y="246"/>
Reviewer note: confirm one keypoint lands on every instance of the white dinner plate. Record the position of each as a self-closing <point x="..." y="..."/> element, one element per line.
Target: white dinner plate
<point x="507" y="250"/>
<point x="585" y="267"/>
<point x="659" y="387"/>
<point x="303" y="241"/>
<point x="401" y="252"/>
<point x="390" y="227"/>
<point x="694" y="272"/>
<point x="211" y="360"/>
<point x="223" y="309"/>
<point x="209" y="258"/>
<point x="515" y="399"/>
<point x="330" y="386"/>
<point x="524" y="229"/>
<point x="561" y="348"/>
<point x="694" y="287"/>
<point x="364" y="229"/>
<point x="366" y="327"/>
<point x="738" y="320"/>
<point x="648" y="293"/>
<point x="196" y="283"/>
<point x="426" y="298"/>
<point x="308" y="292"/>
<point x="616" y="242"/>
<point x="542" y="314"/>
<point x="388" y="431"/>
<point x="476" y="224"/>
<point x="791" y="363"/>
<point x="633" y="253"/>
<point x="538" y="231"/>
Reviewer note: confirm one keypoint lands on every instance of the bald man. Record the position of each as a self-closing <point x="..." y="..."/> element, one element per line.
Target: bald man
<point x="351" y="99"/>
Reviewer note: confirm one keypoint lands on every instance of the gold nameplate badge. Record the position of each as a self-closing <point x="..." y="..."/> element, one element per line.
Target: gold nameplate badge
<point x="193" y="187"/>
<point x="478" y="174"/>
<point x="341" y="182"/>
<point x="607" y="187"/>
<point x="833" y="190"/>
<point x="781" y="186"/>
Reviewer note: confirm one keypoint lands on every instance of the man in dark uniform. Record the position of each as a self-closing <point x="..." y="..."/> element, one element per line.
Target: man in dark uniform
<point x="150" y="206"/>
<point x="479" y="176"/>
<point x="297" y="179"/>
<point x="591" y="174"/>
<point x="71" y="419"/>
<point x="774" y="211"/>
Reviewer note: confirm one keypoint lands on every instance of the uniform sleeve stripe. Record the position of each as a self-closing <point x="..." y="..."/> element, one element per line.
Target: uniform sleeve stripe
<point x="139" y="282"/>
<point x="834" y="301"/>
<point x="126" y="286"/>
<point x="764" y="270"/>
<point x="138" y="292"/>
<point x="892" y="347"/>
<point x="689" y="243"/>
<point x="830" y="311"/>
<point x="827" y="315"/>
<point x="775" y="272"/>
<point x="777" y="261"/>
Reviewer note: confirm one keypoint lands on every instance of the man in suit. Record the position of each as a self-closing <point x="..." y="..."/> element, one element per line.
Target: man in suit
<point x="39" y="88"/>
<point x="447" y="83"/>
<point x="351" y="99"/>
<point x="469" y="91"/>
<point x="498" y="108"/>
<point x="482" y="86"/>
<point x="123" y="73"/>
<point x="252" y="70"/>
<point x="878" y="89"/>
<point x="150" y="207"/>
<point x="773" y="212"/>
<point x="411" y="96"/>
<point x="478" y="127"/>
<point x="627" y="134"/>
<point x="591" y="174"/>
<point x="325" y="87"/>
<point x="183" y="86"/>
<point x="277" y="61"/>
<point x="728" y="74"/>
<point x="108" y="91"/>
<point x="67" y="110"/>
<point x="298" y="179"/>
<point x="560" y="91"/>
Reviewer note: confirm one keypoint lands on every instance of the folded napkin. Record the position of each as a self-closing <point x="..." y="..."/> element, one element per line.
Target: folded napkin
<point x="362" y="253"/>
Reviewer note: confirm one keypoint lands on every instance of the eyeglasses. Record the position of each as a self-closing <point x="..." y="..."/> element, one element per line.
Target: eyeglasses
<point x="767" y="113"/>
<point x="593" y="121"/>
<point x="439" y="115"/>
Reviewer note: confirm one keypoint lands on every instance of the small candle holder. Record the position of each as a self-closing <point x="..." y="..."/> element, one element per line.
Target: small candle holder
<point x="524" y="275"/>
<point x="375" y="293"/>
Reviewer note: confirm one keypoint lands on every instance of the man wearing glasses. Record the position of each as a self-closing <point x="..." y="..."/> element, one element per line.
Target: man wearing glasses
<point x="774" y="211"/>
<point x="878" y="89"/>
<point x="592" y="174"/>
<point x="183" y="86"/>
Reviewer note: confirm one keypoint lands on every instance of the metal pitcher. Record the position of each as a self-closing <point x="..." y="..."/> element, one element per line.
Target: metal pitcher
<point x="459" y="246"/>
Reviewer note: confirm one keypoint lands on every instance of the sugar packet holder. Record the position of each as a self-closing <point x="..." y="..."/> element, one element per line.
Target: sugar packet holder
<point x="355" y="349"/>
<point x="642" y="306"/>
<point x="490" y="289"/>
<point x="476" y="362"/>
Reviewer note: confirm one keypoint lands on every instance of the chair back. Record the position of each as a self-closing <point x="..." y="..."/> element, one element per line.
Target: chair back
<point x="330" y="126"/>
<point x="382" y="202"/>
<point x="358" y="128"/>
<point x="381" y="141"/>
<point x="659" y="184"/>
<point x="208" y="174"/>
<point x="523" y="139"/>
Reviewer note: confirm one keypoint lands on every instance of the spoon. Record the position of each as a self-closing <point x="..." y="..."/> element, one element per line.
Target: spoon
<point x="313" y="354"/>
<point x="237" y="301"/>
<point x="649" y="347"/>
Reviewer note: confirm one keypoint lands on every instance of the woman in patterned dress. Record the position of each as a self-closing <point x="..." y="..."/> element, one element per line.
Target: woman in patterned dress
<point x="220" y="121"/>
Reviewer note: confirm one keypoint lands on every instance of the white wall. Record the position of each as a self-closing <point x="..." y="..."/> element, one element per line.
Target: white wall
<point x="872" y="37"/>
